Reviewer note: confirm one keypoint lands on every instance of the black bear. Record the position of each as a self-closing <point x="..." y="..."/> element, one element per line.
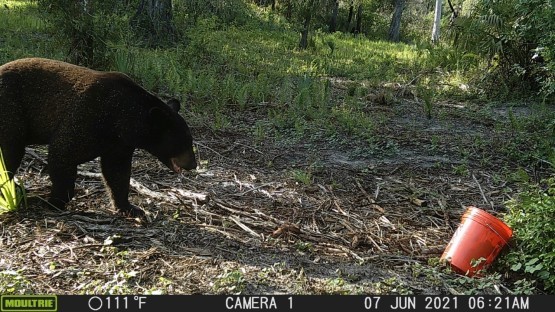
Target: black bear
<point x="82" y="114"/>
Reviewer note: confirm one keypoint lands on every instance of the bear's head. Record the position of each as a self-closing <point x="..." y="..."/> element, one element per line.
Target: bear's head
<point x="170" y="138"/>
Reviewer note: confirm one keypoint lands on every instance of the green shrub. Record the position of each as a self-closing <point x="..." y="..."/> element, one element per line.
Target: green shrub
<point x="230" y="12"/>
<point x="532" y="217"/>
<point x="11" y="194"/>
<point x="85" y="29"/>
<point x="506" y="33"/>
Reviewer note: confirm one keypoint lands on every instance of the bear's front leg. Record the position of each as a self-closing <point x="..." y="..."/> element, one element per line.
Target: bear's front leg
<point x="12" y="150"/>
<point x="116" y="171"/>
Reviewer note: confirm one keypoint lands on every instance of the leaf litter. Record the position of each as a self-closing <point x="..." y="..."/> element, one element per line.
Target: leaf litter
<point x="243" y="224"/>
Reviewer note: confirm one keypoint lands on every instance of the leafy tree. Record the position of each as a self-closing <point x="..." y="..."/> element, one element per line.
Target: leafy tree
<point x="84" y="26"/>
<point x="306" y="13"/>
<point x="153" y="20"/>
<point x="306" y="9"/>
<point x="271" y="3"/>
<point x="358" y="25"/>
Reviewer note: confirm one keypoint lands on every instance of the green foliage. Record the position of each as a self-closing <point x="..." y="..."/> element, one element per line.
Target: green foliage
<point x="506" y="33"/>
<point x="435" y="274"/>
<point x="11" y="194"/>
<point x="231" y="282"/>
<point x="302" y="176"/>
<point x="426" y="95"/>
<point x="225" y="13"/>
<point x="85" y="28"/>
<point x="536" y="24"/>
<point x="14" y="283"/>
<point x="22" y="32"/>
<point x="531" y="217"/>
<point x="531" y="137"/>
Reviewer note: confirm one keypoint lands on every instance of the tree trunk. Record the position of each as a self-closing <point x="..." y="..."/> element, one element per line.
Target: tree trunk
<point x="303" y="44"/>
<point x="358" y="26"/>
<point x="333" y="20"/>
<point x="349" y="18"/>
<point x="288" y="13"/>
<point x="160" y="13"/>
<point x="154" y="20"/>
<point x="437" y="21"/>
<point x="395" y="27"/>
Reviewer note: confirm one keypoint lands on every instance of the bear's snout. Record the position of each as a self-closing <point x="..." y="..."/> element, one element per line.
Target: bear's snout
<point x="185" y="161"/>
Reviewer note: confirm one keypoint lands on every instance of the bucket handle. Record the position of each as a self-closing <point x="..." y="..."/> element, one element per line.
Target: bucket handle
<point x="488" y="224"/>
<point x="500" y="236"/>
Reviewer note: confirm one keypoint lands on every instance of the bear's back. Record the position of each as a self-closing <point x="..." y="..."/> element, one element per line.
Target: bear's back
<point x="40" y="74"/>
<point x="45" y="94"/>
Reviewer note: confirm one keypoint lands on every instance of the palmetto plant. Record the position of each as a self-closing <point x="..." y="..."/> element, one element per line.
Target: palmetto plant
<point x="11" y="194"/>
<point x="486" y="28"/>
<point x="505" y="33"/>
<point x="480" y="33"/>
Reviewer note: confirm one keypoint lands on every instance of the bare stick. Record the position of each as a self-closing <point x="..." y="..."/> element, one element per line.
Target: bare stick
<point x="486" y="201"/>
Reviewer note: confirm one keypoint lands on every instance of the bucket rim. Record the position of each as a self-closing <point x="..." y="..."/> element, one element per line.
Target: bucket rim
<point x="494" y="223"/>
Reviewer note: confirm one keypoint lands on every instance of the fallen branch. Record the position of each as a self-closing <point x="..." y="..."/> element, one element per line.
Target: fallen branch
<point x="32" y="152"/>
<point x="140" y="188"/>
<point x="244" y="227"/>
<point x="202" y="198"/>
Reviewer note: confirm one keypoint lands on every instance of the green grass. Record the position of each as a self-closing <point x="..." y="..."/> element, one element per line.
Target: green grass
<point x="23" y="33"/>
<point x="248" y="51"/>
<point x="231" y="281"/>
<point x="14" y="283"/>
<point x="221" y="71"/>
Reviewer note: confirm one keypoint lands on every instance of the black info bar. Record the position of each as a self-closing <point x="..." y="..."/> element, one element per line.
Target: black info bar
<point x="157" y="303"/>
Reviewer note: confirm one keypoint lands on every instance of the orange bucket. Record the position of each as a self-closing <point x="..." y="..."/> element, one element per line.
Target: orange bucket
<point x="479" y="235"/>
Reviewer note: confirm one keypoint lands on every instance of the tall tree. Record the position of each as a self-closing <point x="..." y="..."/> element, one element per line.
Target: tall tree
<point x="306" y="13"/>
<point x="358" y="25"/>
<point x="334" y="13"/>
<point x="395" y="27"/>
<point x="82" y="38"/>
<point x="74" y="21"/>
<point x="153" y="18"/>
<point x="288" y="8"/>
<point x="437" y="21"/>
<point x="350" y="17"/>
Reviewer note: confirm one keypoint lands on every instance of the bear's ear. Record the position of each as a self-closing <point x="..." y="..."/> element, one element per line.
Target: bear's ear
<point x="174" y="104"/>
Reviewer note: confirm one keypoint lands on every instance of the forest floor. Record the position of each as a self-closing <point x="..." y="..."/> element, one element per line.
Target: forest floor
<point x="297" y="215"/>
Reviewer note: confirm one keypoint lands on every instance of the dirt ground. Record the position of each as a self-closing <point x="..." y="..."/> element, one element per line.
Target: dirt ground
<point x="278" y="216"/>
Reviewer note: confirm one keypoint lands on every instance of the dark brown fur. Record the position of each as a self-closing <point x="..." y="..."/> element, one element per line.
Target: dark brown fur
<point x="82" y="114"/>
